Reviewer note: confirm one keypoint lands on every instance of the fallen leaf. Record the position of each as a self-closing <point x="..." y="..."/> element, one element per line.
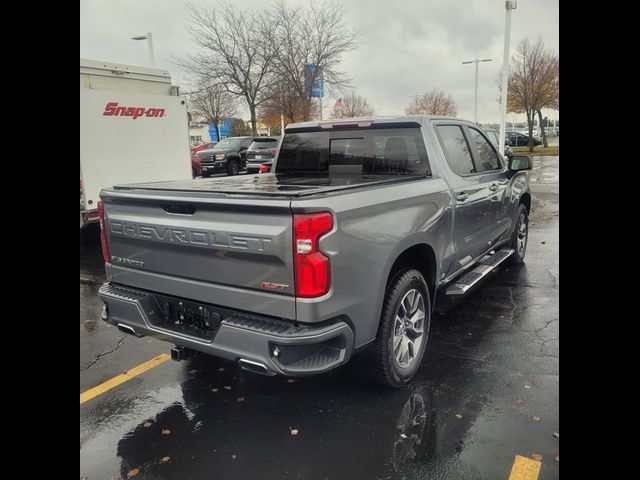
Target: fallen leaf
<point x="518" y="401"/>
<point x="227" y="387"/>
<point x="292" y="380"/>
<point x="221" y="369"/>
<point x="147" y="424"/>
<point x="240" y="399"/>
<point x="556" y="434"/>
<point x="166" y="431"/>
<point x="165" y="459"/>
<point x="233" y="456"/>
<point x="402" y="435"/>
<point x="527" y="386"/>
<point x="557" y="458"/>
<point x="535" y="418"/>
<point x="115" y="478"/>
<point x="133" y="472"/>
<point x="458" y="415"/>
<point x="536" y="456"/>
<point x="83" y="477"/>
<point x="543" y="243"/>
<point x="536" y="382"/>
<point x="215" y="390"/>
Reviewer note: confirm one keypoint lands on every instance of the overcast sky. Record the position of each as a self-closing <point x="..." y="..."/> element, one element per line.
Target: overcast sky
<point x="408" y="46"/>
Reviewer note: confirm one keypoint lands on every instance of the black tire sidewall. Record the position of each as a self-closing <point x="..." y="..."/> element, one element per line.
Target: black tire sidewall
<point x="230" y="170"/>
<point x="410" y="279"/>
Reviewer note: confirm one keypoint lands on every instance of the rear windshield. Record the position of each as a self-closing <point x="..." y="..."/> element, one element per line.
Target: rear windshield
<point x="377" y="151"/>
<point x="264" y="144"/>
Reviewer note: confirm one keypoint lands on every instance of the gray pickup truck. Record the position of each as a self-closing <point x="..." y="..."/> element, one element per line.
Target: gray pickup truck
<point x="341" y="250"/>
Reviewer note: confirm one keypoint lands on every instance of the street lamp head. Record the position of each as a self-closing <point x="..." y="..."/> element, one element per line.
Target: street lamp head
<point x="140" y="37"/>
<point x="487" y="60"/>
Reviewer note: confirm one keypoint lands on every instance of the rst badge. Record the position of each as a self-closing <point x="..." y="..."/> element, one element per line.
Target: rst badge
<point x="273" y="286"/>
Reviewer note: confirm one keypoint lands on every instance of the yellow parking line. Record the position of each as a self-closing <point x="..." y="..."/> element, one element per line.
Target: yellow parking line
<point x="123" y="377"/>
<point x="525" y="469"/>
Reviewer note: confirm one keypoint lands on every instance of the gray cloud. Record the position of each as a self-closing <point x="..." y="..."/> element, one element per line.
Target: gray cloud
<point x="408" y="46"/>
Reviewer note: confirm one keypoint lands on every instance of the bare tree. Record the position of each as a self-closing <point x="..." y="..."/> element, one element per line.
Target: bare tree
<point x="212" y="104"/>
<point x="433" y="102"/>
<point x="549" y="90"/>
<point x="353" y="105"/>
<point x="283" y="100"/>
<point x="533" y="82"/>
<point x="315" y="34"/>
<point x="235" y="51"/>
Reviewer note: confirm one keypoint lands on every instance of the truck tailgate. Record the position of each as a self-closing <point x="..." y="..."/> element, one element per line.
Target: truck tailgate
<point x="213" y="249"/>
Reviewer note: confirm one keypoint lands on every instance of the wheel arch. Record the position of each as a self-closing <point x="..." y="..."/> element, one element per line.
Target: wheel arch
<point x="422" y="257"/>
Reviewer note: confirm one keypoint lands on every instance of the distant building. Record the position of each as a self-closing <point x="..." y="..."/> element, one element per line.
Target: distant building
<point x="203" y="132"/>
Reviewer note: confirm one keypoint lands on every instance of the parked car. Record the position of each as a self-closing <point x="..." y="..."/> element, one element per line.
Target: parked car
<point x="229" y="156"/>
<point x="261" y="151"/>
<point x="196" y="165"/>
<point x="203" y="146"/>
<point x="518" y="139"/>
<point x="493" y="136"/>
<point x="341" y="250"/>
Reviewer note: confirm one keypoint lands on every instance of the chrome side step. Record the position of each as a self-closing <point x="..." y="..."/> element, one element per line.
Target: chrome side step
<point x="486" y="265"/>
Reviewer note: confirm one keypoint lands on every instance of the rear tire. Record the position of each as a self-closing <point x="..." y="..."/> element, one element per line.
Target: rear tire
<point x="520" y="236"/>
<point x="396" y="354"/>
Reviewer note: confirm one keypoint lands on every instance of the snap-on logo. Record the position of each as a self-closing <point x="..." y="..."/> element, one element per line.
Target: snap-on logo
<point x="112" y="109"/>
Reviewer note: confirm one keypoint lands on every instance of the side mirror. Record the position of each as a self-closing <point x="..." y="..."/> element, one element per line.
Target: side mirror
<point x="520" y="162"/>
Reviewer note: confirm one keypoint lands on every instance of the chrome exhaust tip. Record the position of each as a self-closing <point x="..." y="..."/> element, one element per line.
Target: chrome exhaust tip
<point x="255" y="367"/>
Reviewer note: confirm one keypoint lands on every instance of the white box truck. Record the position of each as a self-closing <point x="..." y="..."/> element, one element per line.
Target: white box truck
<point x="133" y="128"/>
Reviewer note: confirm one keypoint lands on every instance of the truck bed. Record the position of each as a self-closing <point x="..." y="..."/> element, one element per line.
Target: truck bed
<point x="278" y="185"/>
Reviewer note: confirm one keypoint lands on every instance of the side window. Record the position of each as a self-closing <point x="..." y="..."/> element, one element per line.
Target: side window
<point x="456" y="149"/>
<point x="486" y="157"/>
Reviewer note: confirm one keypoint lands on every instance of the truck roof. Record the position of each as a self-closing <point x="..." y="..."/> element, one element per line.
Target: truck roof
<point x="368" y="121"/>
<point x="111" y="69"/>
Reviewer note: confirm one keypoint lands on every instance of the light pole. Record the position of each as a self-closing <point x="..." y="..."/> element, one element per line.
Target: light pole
<point x="476" y="61"/>
<point x="148" y="37"/>
<point x="508" y="5"/>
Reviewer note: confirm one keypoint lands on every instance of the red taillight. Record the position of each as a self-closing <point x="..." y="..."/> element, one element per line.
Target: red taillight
<point x="103" y="232"/>
<point x="265" y="168"/>
<point x="312" y="266"/>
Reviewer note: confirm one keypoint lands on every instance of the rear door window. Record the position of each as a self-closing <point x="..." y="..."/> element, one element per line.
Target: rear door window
<point x="456" y="149"/>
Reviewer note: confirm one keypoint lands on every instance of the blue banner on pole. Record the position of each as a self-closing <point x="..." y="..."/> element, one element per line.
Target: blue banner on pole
<point x="317" y="89"/>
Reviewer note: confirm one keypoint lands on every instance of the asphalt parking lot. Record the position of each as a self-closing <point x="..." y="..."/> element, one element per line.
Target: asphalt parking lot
<point x="486" y="395"/>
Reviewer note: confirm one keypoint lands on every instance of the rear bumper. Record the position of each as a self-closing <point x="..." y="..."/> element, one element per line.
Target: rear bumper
<point x="280" y="347"/>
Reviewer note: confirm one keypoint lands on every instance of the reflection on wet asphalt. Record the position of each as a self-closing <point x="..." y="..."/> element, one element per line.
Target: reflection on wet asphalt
<point x="491" y="365"/>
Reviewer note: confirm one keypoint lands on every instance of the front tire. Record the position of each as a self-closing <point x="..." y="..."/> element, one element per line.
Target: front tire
<point x="233" y="168"/>
<point x="396" y="354"/>
<point x="520" y="236"/>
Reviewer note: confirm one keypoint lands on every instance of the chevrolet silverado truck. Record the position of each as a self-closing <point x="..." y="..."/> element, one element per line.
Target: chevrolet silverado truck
<point x="340" y="251"/>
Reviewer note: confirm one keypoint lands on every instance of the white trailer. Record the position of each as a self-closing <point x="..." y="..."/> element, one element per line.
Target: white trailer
<point x="133" y="128"/>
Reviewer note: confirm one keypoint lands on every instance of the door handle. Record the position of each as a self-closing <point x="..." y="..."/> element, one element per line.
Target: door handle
<point x="493" y="187"/>
<point x="462" y="196"/>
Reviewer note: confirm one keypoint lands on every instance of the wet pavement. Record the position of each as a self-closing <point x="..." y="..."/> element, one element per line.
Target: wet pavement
<point x="487" y="391"/>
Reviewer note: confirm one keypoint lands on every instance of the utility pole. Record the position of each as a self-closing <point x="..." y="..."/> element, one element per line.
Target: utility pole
<point x="508" y="5"/>
<point x="476" y="61"/>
